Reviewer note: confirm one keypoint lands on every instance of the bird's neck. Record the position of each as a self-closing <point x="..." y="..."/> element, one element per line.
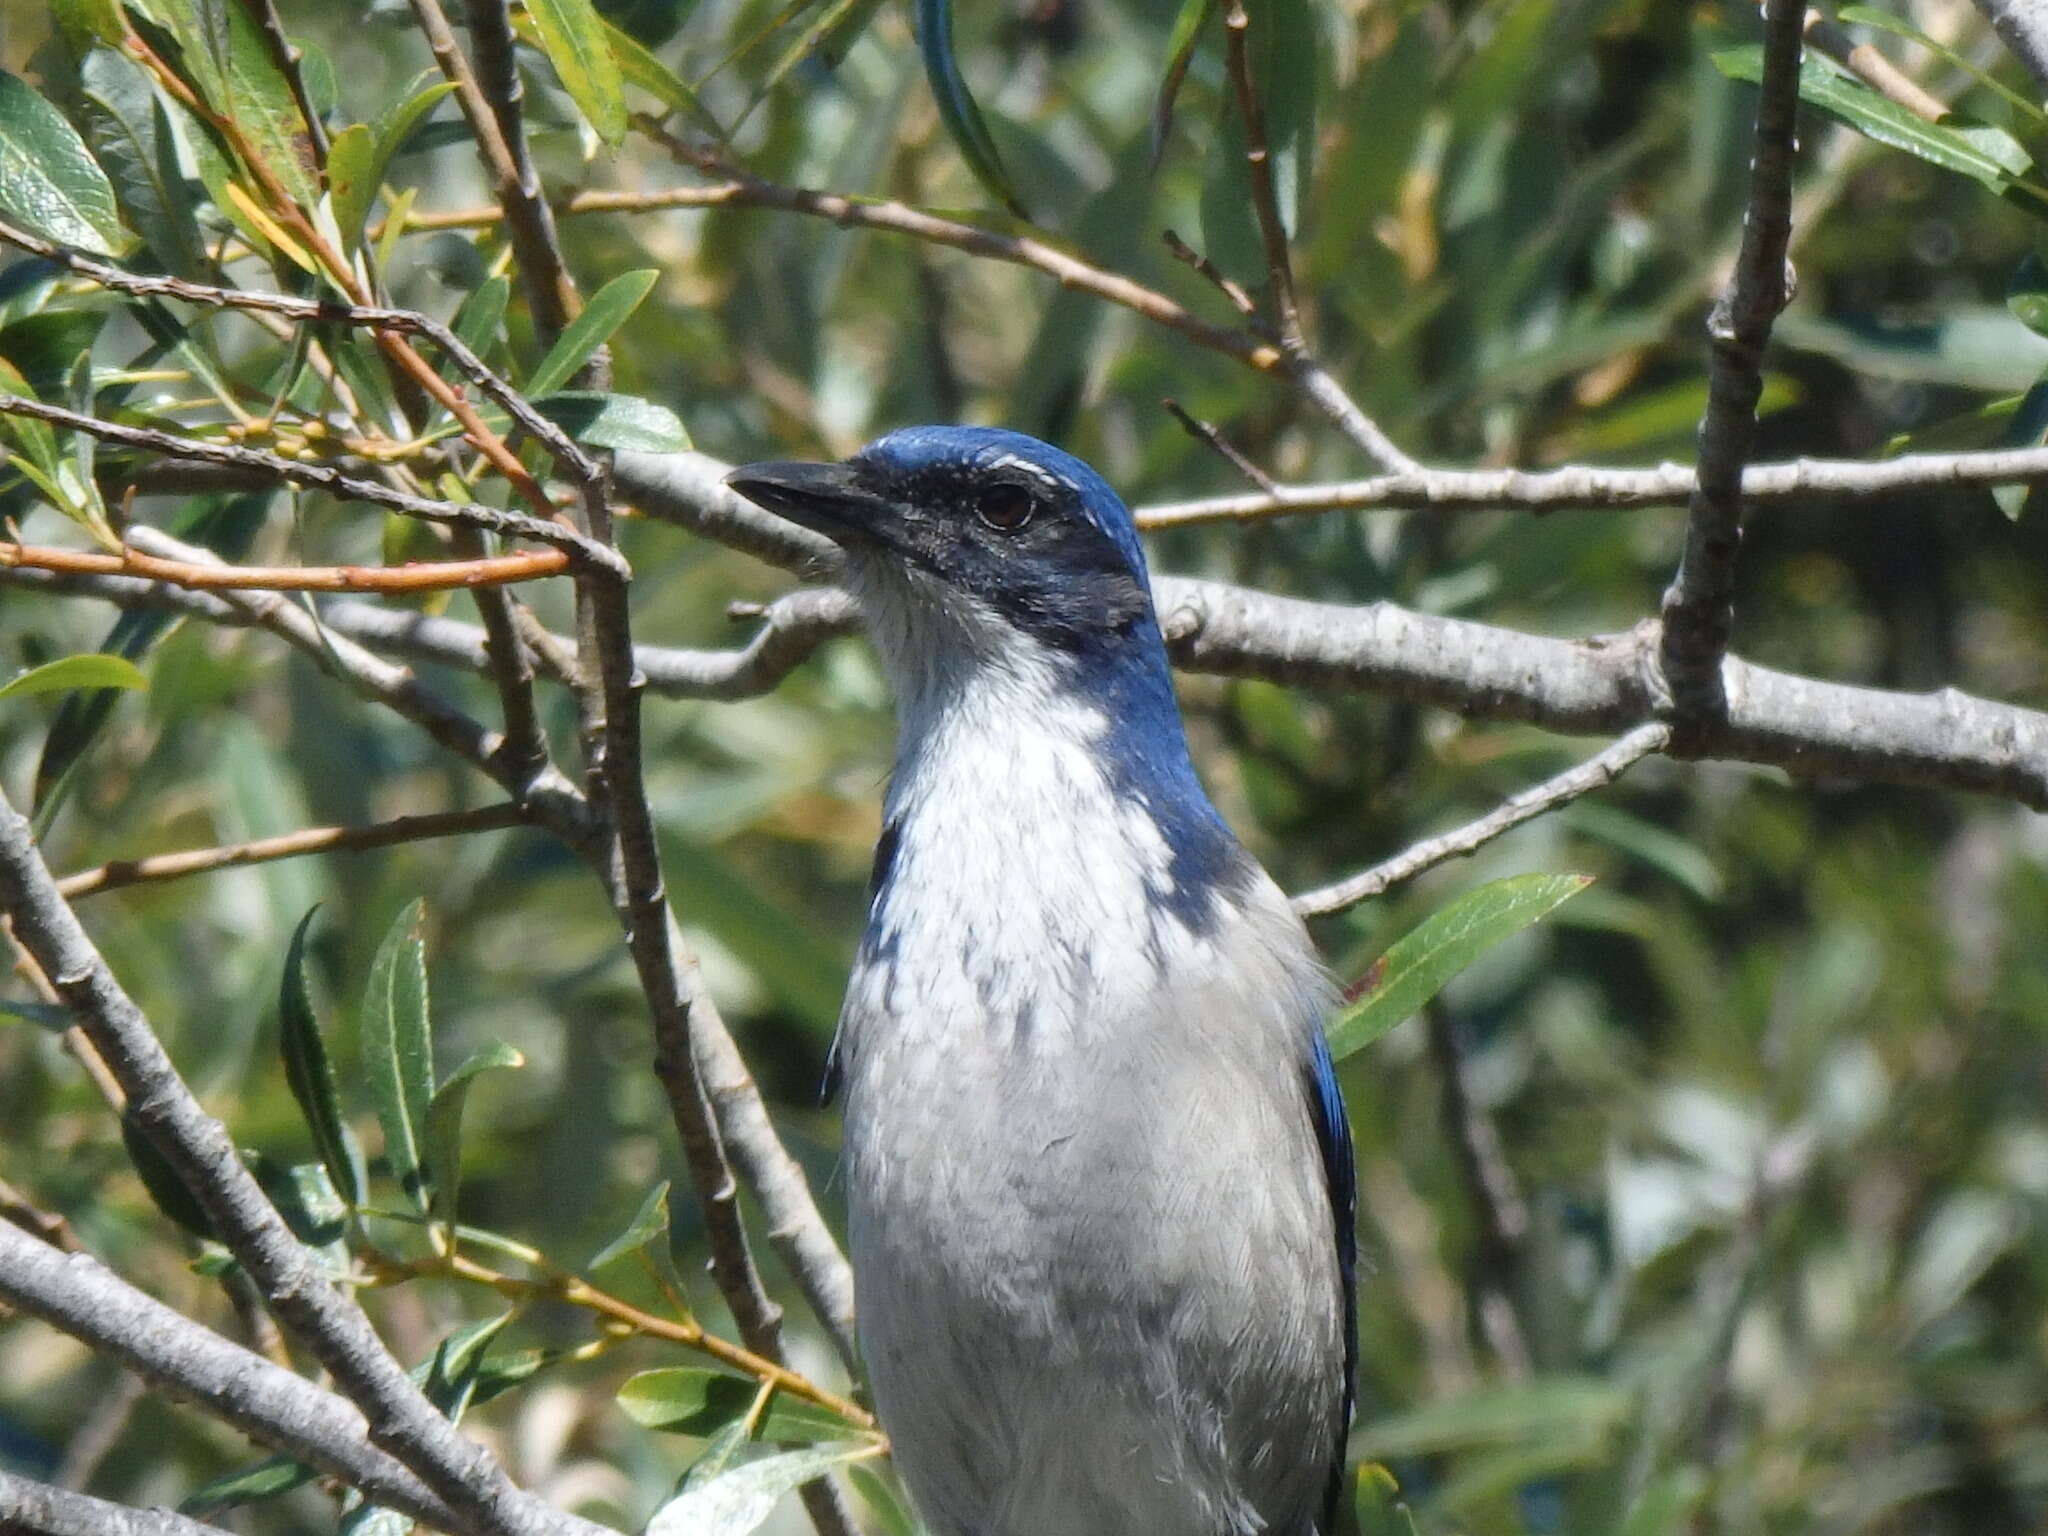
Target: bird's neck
<point x="1056" y="789"/>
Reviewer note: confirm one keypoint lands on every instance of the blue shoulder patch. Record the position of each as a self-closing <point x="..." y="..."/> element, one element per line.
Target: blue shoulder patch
<point x="1333" y="1135"/>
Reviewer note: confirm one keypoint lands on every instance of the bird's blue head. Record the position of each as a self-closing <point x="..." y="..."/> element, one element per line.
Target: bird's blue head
<point x="1028" y="533"/>
<point x="981" y="553"/>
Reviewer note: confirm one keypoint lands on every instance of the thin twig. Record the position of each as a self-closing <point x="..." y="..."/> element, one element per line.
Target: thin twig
<point x="454" y="514"/>
<point x="1595" y="773"/>
<point x="122" y="873"/>
<point x="1871" y="67"/>
<point x="1699" y="605"/>
<point x="1210" y="438"/>
<point x="434" y="576"/>
<point x="1591" y="488"/>
<point x="1234" y="292"/>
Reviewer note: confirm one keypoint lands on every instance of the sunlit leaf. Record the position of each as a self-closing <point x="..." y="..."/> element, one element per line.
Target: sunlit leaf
<point x="573" y="38"/>
<point x="700" y="1400"/>
<point x="49" y="179"/>
<point x="398" y="1048"/>
<point x="224" y="54"/>
<point x="267" y="1479"/>
<point x="609" y="308"/>
<point x="1416" y="967"/>
<point x="615" y="421"/>
<point x="92" y="669"/>
<point x="310" y="1077"/>
<point x="443" y="1145"/>
<point x="957" y="109"/>
<point x="649" y="1223"/>
<point x="130" y="126"/>
<point x="741" y="1497"/>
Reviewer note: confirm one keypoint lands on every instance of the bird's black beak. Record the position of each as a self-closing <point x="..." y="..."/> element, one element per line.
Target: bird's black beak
<point x="826" y="498"/>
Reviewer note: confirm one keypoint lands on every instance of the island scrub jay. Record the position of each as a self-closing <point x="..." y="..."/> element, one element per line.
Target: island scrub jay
<point x="1098" y="1172"/>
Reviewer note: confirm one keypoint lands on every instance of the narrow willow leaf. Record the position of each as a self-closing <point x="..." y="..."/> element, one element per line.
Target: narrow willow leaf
<point x="1180" y="53"/>
<point x="443" y="1144"/>
<point x="49" y="179"/>
<point x="648" y="1223"/>
<point x="398" y="1048"/>
<point x="847" y="24"/>
<point x="957" y="109"/>
<point x="49" y="1015"/>
<point x="166" y="1190"/>
<point x="700" y="1400"/>
<point x="641" y="68"/>
<point x="1987" y="155"/>
<point x="739" y="1499"/>
<point x="131" y="131"/>
<point x="390" y="134"/>
<point x="451" y="1373"/>
<point x="1556" y="1407"/>
<point x="92" y="669"/>
<point x="477" y="321"/>
<point x="615" y="421"/>
<point x="609" y="308"/>
<point x="351" y="181"/>
<point x="879" y="1491"/>
<point x="310" y="1077"/>
<point x="1416" y="967"/>
<point x="267" y="1479"/>
<point x="574" y="39"/>
<point x="1863" y="15"/>
<point x="229" y="62"/>
<point x="85" y="22"/>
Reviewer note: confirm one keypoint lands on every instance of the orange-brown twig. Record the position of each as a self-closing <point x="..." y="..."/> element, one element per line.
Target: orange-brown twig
<point x="429" y="576"/>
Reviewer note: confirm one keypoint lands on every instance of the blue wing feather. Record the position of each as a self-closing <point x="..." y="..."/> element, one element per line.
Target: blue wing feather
<point x="1333" y="1135"/>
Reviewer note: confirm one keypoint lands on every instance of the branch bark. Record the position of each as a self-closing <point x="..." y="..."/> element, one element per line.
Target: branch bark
<point x="82" y="1297"/>
<point x="2022" y="25"/>
<point x="36" y="1509"/>
<point x="1699" y="605"/>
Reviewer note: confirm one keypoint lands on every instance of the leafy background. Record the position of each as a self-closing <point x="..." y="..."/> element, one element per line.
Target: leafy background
<point x="1774" y="1090"/>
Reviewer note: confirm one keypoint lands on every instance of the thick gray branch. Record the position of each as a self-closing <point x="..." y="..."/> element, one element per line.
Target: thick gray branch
<point x="198" y="1148"/>
<point x="36" y="1509"/>
<point x="2022" y="25"/>
<point x="1585" y="487"/>
<point x="81" y="1296"/>
<point x="1603" y="685"/>
<point x="1699" y="605"/>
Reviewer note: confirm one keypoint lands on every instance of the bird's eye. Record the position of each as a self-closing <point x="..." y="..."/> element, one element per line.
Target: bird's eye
<point x="1005" y="506"/>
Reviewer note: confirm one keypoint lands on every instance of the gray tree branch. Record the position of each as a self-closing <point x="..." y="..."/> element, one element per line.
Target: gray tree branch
<point x="1699" y="605"/>
<point x="37" y="1509"/>
<point x="2022" y="25"/>
<point x="76" y="1293"/>
<point x="199" y="1149"/>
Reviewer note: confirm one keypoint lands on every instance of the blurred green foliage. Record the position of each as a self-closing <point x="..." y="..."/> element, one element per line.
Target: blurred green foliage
<point x="1774" y="1092"/>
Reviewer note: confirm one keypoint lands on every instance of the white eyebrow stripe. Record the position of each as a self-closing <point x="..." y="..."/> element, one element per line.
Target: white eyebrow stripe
<point x="1037" y="472"/>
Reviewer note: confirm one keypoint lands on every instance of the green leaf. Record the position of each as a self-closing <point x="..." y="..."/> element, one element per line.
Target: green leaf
<point x="49" y="1015"/>
<point x="398" y="1048"/>
<point x="308" y="1074"/>
<point x="609" y="308"/>
<point x="1180" y="53"/>
<point x="1863" y="15"/>
<point x="648" y="1223"/>
<point x="352" y="208"/>
<point x="699" y="1400"/>
<point x="842" y="28"/>
<point x="573" y="38"/>
<point x="1416" y="967"/>
<point x="131" y="129"/>
<point x="451" y="1373"/>
<point x="49" y="179"/>
<point x="615" y="421"/>
<point x="641" y="68"/>
<point x="740" y="1498"/>
<point x="228" y="61"/>
<point x="957" y="109"/>
<point x="1987" y="155"/>
<point x="482" y="312"/>
<point x="444" y="1125"/>
<point x="90" y="669"/>
<point x="166" y="1190"/>
<point x="2026" y="294"/>
<point x="1555" y="1408"/>
<point x="84" y="22"/>
<point x="267" y="1479"/>
<point x="350" y="183"/>
<point x="892" y="1511"/>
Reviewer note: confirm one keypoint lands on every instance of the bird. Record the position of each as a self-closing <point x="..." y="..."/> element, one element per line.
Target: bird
<point x="1098" y="1173"/>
